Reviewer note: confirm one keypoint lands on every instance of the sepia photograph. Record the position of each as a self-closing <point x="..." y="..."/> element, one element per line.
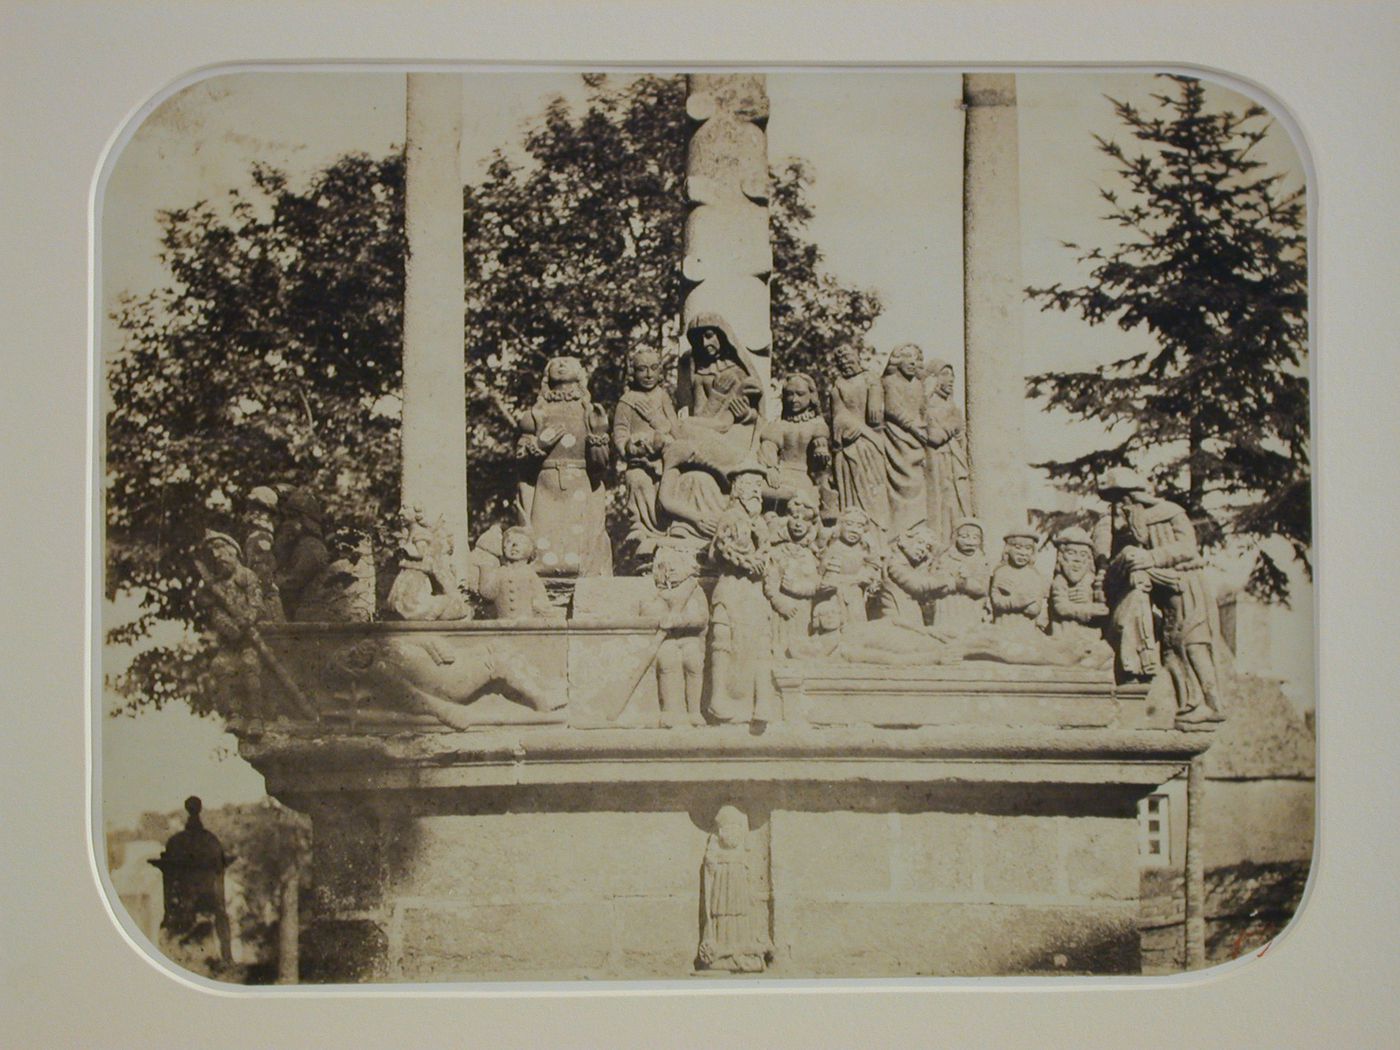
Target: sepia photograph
<point x="704" y="526"/>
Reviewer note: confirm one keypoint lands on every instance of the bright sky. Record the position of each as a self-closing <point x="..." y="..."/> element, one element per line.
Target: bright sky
<point x="886" y="150"/>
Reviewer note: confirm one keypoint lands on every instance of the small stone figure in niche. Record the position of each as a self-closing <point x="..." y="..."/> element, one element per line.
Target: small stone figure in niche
<point x="960" y="594"/>
<point x="909" y="579"/>
<point x="299" y="547"/>
<point x="858" y="454"/>
<point x="565" y="505"/>
<point x="793" y="578"/>
<point x="643" y="422"/>
<point x="1154" y="536"/>
<point x="426" y="586"/>
<point x="850" y="565"/>
<point x="734" y="923"/>
<point x="345" y="591"/>
<point x="232" y="600"/>
<point x="1077" y="606"/>
<point x="905" y="433"/>
<point x="718" y="381"/>
<point x="192" y="866"/>
<point x="684" y="611"/>
<point x="798" y="446"/>
<point x="514" y="587"/>
<point x="888" y="642"/>
<point x="945" y="462"/>
<point x="741" y="630"/>
<point x="258" y="544"/>
<point x="1017" y="591"/>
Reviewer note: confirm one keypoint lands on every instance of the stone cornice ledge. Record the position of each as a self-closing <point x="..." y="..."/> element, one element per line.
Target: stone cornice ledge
<point x="304" y="759"/>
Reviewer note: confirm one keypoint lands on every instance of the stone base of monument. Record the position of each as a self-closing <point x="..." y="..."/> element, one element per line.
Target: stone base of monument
<point x="945" y="821"/>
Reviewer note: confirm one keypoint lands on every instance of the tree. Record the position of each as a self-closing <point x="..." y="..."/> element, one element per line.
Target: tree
<point x="1213" y="263"/>
<point x="576" y="251"/>
<point x="274" y="354"/>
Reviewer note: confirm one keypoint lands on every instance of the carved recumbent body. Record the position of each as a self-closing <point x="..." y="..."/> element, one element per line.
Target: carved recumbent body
<point x="795" y="539"/>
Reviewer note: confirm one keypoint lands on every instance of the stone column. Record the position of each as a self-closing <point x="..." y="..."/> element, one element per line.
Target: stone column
<point x="992" y="294"/>
<point x="1194" y="887"/>
<point x="434" y="381"/>
<point x="728" y="255"/>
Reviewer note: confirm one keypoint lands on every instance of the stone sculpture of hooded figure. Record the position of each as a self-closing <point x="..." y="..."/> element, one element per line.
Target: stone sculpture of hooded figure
<point x="718" y="381"/>
<point x="945" y="460"/>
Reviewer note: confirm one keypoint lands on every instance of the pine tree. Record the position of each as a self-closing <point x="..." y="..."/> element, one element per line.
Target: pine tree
<point x="1212" y="261"/>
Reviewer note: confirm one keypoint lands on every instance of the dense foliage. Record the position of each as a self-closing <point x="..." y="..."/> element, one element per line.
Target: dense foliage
<point x="1212" y="261"/>
<point x="274" y="354"/>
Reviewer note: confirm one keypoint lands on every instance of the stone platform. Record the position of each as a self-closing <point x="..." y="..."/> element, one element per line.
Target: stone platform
<point x="948" y="820"/>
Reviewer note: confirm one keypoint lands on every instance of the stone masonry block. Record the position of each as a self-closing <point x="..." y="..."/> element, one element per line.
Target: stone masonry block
<point x="1101" y="858"/>
<point x="456" y="941"/>
<point x="1020" y="855"/>
<point x="824" y="856"/>
<point x="656" y="937"/>
<point x="938" y="853"/>
<point x="549" y="856"/>
<point x="877" y="939"/>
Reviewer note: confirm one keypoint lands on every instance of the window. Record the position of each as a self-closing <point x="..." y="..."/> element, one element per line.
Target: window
<point x="1154" y="829"/>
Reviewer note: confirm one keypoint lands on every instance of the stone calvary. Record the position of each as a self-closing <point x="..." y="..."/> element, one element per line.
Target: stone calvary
<point x="821" y="705"/>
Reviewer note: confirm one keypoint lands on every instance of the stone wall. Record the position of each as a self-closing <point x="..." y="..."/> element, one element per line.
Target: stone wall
<point x="865" y="880"/>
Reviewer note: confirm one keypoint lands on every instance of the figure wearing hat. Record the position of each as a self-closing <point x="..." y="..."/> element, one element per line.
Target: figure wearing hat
<point x="1154" y="548"/>
<point x="741" y="630"/>
<point x="1017" y="589"/>
<point x="1077" y="608"/>
<point x="258" y="549"/>
<point x="963" y="574"/>
<point x="231" y="598"/>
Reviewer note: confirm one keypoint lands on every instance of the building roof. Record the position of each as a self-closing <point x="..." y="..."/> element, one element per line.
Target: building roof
<point x="1264" y="736"/>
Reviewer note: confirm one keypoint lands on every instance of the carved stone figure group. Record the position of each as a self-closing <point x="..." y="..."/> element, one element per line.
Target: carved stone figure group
<point x="846" y="535"/>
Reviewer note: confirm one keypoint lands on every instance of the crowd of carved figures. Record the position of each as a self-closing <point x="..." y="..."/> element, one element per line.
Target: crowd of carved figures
<point x="846" y="534"/>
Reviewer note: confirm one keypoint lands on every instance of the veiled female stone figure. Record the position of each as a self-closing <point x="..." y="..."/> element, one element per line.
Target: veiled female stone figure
<point x="565" y="507"/>
<point x="734" y="926"/>
<point x="905" y="437"/>
<point x="858" y="456"/>
<point x="717" y="380"/>
<point x="945" y="462"/>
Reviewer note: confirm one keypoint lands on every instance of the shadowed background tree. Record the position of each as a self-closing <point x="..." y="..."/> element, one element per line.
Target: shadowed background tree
<point x="1213" y="263"/>
<point x="275" y="353"/>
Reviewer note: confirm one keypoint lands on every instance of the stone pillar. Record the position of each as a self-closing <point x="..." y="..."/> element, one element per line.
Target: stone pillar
<point x="992" y="294"/>
<point x="1194" y="888"/>
<point x="434" y="380"/>
<point x="728" y="255"/>
<point x="289" y="927"/>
